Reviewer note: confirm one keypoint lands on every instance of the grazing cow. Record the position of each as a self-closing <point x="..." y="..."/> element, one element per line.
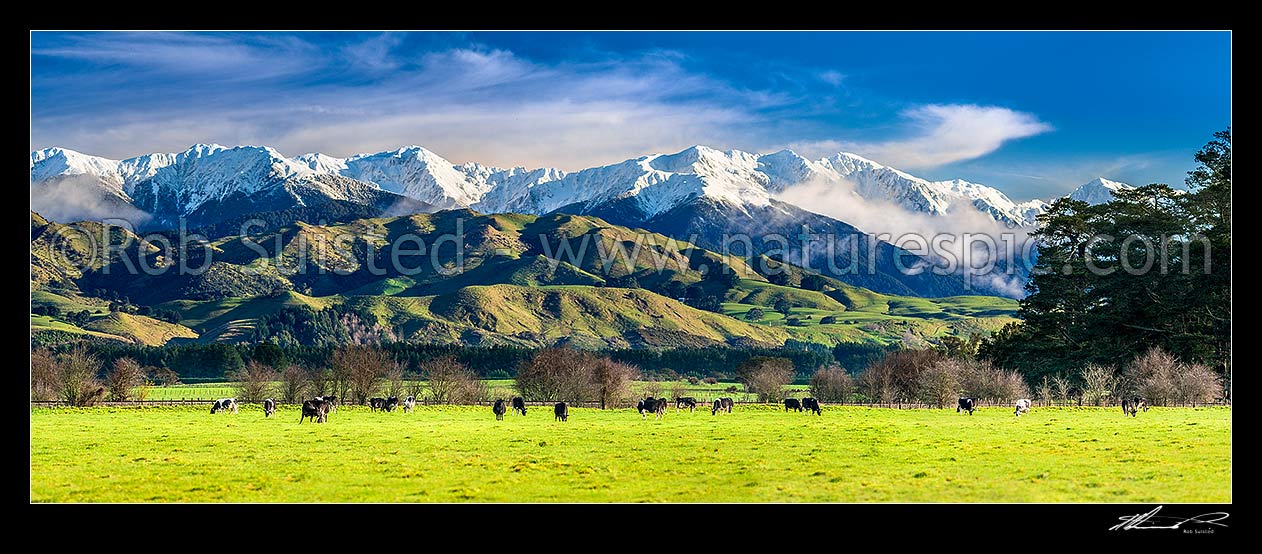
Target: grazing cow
<point x="688" y="401"/>
<point x="269" y="407"/>
<point x="654" y="405"/>
<point x="812" y="405"/>
<point x="792" y="404"/>
<point x="499" y="409"/>
<point x="562" y="411"/>
<point x="1023" y="407"/>
<point x="332" y="400"/>
<point x="317" y="410"/>
<point x="390" y="404"/>
<point x="223" y="405"/>
<point x="408" y="404"/>
<point x="1132" y="405"/>
<point x="519" y="404"/>
<point x="966" y="404"/>
<point x="376" y="403"/>
<point x="722" y="405"/>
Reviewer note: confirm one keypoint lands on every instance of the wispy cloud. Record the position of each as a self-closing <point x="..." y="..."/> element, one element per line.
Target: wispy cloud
<point x="940" y="134"/>
<point x="467" y="103"/>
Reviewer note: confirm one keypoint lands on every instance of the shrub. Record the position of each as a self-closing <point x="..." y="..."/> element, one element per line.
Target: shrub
<point x="123" y="380"/>
<point x="451" y="381"/>
<point x="710" y="381"/>
<point x="828" y="320"/>
<point x="45" y="379"/>
<point x="766" y="376"/>
<point x="76" y="377"/>
<point x="832" y="384"/>
<point x="1099" y="385"/>
<point x="1161" y="379"/>
<point x="254" y="381"/>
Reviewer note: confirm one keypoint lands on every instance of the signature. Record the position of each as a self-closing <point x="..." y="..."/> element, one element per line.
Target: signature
<point x="1151" y="520"/>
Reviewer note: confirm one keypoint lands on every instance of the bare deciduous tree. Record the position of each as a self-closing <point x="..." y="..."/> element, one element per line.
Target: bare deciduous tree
<point x="79" y="385"/>
<point x="162" y="376"/>
<point x="557" y="374"/>
<point x="939" y="383"/>
<point x="1045" y="391"/>
<point x="254" y="381"/>
<point x="1161" y="379"/>
<point x="766" y="376"/>
<point x="123" y="380"/>
<point x="832" y="384"/>
<point x="294" y="382"/>
<point x="413" y="385"/>
<point x="1099" y="384"/>
<point x="363" y="367"/>
<point x="322" y="382"/>
<point x="45" y="378"/>
<point x="449" y="380"/>
<point x="611" y="382"/>
<point x="394" y="380"/>
<point x="1061" y="388"/>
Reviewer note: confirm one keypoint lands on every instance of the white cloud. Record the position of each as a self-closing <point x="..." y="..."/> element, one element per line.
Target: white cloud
<point x="832" y="77"/>
<point x="939" y="134"/>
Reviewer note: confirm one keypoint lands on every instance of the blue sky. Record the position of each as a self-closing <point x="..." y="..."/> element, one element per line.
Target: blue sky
<point x="1034" y="114"/>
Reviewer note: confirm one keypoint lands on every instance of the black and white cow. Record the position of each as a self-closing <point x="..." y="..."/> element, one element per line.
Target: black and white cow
<point x="1130" y="406"/>
<point x="652" y="405"/>
<point x="376" y="403"/>
<point x="1023" y="407"/>
<point x="500" y="409"/>
<point x="812" y="405"/>
<point x="317" y="410"/>
<point x="562" y="411"/>
<point x="269" y="407"/>
<point x="390" y="404"/>
<point x="223" y="405"/>
<point x="722" y="405"/>
<point x="792" y="404"/>
<point x="408" y="404"/>
<point x="966" y="405"/>
<point x="686" y="402"/>
<point x="519" y="405"/>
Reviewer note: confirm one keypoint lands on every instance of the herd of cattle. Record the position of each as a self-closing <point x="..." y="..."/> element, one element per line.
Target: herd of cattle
<point x="318" y="408"/>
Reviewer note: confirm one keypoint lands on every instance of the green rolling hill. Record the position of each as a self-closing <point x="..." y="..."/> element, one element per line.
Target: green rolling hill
<point x="519" y="285"/>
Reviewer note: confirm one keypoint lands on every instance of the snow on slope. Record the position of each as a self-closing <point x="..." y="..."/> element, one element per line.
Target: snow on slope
<point x="1098" y="191"/>
<point x="652" y="184"/>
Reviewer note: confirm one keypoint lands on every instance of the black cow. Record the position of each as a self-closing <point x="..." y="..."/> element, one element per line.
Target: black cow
<point x="499" y="409"/>
<point x="1132" y="405"/>
<point x="376" y="403"/>
<point x="317" y="410"/>
<point x="792" y="404"/>
<point x="269" y="407"/>
<point x="223" y="405"/>
<point x="812" y="405"/>
<point x="390" y="404"/>
<point x="519" y="404"/>
<point x="562" y="411"/>
<point x="408" y="404"/>
<point x="687" y="401"/>
<point x="966" y="404"/>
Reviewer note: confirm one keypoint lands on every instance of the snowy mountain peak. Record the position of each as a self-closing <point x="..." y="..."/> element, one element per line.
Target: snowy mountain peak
<point x="1098" y="190"/>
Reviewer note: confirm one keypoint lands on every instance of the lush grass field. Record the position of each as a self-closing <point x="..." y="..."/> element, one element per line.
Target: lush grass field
<point x="757" y="454"/>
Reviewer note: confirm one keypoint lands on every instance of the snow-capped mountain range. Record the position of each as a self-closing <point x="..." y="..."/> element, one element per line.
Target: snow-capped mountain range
<point x="178" y="184"/>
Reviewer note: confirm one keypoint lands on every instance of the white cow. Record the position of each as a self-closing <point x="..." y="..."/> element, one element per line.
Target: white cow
<point x="1023" y="406"/>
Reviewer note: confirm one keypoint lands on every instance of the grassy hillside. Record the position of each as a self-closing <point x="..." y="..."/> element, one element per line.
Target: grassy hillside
<point x="864" y="316"/>
<point x="506" y="314"/>
<point x="515" y="279"/>
<point x="103" y="324"/>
